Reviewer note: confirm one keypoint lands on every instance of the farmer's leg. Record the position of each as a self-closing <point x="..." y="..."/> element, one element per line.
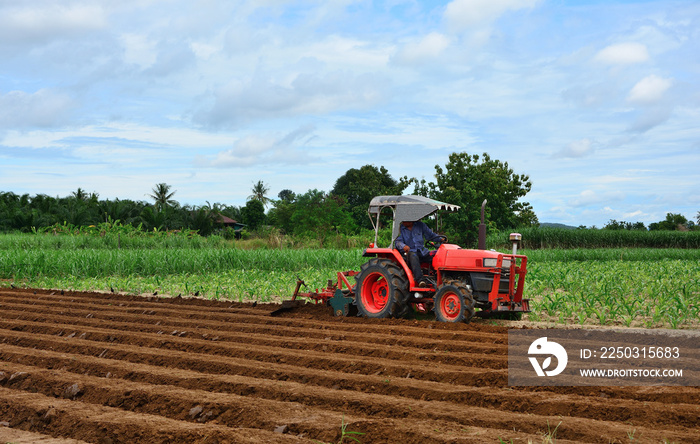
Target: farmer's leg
<point x="427" y="259"/>
<point x="414" y="264"/>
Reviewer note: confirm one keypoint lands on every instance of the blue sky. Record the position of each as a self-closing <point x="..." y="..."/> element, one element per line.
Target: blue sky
<point x="597" y="101"/>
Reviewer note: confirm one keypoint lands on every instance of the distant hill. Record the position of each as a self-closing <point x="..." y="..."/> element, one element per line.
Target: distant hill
<point x="553" y="225"/>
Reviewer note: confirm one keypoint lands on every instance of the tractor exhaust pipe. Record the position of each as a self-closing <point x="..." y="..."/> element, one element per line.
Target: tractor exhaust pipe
<point x="515" y="238"/>
<point x="482" y="228"/>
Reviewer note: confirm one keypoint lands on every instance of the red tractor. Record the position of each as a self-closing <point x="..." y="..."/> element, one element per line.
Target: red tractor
<point x="460" y="280"/>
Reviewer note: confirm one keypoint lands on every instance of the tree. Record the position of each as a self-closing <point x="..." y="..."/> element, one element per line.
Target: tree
<point x="202" y="219"/>
<point x="317" y="214"/>
<point x="46" y="209"/>
<point x="80" y="194"/>
<point x="282" y="211"/>
<point x="163" y="196"/>
<point x="358" y="186"/>
<point x="127" y="211"/>
<point x="260" y="191"/>
<point x="467" y="180"/>
<point x="671" y="223"/>
<point x="622" y="225"/>
<point x="253" y="214"/>
<point x="231" y="211"/>
<point x="154" y="220"/>
<point x="77" y="212"/>
<point x="286" y="195"/>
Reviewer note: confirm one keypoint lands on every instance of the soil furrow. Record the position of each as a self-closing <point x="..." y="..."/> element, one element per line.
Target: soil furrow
<point x="259" y="320"/>
<point x="103" y="424"/>
<point x="234" y="410"/>
<point x="123" y="332"/>
<point x="118" y="368"/>
<point x="685" y="415"/>
<point x="241" y="358"/>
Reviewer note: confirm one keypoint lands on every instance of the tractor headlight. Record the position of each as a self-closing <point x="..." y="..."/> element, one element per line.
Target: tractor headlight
<point x="491" y="262"/>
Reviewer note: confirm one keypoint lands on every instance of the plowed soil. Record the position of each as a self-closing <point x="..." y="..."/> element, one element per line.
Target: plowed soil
<point x="109" y="368"/>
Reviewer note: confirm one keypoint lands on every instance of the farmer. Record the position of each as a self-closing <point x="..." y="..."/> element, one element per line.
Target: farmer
<point x="411" y="244"/>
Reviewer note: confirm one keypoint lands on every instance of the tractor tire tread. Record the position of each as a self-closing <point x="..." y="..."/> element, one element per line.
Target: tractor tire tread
<point x="398" y="288"/>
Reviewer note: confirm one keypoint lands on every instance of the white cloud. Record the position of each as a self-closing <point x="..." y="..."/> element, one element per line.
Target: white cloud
<point x="576" y="149"/>
<point x="623" y="54"/>
<point x="380" y="80"/>
<point x="463" y="14"/>
<point x="138" y="50"/>
<point x="30" y="22"/>
<point x="423" y="50"/>
<point x="649" y="90"/>
<point x="245" y="152"/>
<point x="256" y="149"/>
<point x="651" y="118"/>
<point x="650" y="93"/>
<point x="635" y="215"/>
<point x="44" y="108"/>
<point x="129" y="133"/>
<point x="305" y="93"/>
<point x="345" y="52"/>
<point x="590" y="197"/>
<point x="204" y="50"/>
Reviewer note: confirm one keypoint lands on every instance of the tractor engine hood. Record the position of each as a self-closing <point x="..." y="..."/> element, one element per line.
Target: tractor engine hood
<point x="453" y="257"/>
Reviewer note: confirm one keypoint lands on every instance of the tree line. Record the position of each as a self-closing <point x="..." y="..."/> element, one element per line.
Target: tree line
<point x="25" y="213"/>
<point x="465" y="180"/>
<point x="673" y="222"/>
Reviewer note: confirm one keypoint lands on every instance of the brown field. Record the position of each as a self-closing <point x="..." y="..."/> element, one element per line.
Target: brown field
<point x="110" y="368"/>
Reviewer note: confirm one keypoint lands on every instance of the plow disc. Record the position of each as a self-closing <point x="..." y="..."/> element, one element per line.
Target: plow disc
<point x="342" y="305"/>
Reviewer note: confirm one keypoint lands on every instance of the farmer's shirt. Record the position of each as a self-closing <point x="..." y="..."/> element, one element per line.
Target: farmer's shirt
<point x="414" y="238"/>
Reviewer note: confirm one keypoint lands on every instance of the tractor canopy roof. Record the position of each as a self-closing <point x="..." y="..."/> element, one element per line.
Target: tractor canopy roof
<point x="407" y="208"/>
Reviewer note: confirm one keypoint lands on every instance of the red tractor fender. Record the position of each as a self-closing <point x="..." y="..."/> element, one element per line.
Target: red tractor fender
<point x="394" y="255"/>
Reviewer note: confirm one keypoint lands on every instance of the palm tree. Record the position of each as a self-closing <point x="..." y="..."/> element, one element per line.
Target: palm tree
<point x="259" y="193"/>
<point x="163" y="196"/>
<point x="80" y="194"/>
<point x="286" y="195"/>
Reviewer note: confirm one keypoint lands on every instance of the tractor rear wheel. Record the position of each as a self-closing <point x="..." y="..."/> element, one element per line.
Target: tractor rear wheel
<point x="381" y="290"/>
<point x="454" y="303"/>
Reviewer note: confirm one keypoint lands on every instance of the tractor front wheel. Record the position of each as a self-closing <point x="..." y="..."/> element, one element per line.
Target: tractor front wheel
<point x="454" y="303"/>
<point x="381" y="290"/>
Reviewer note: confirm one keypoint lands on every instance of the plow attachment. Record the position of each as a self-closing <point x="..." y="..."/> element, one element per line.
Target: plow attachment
<point x="287" y="306"/>
<point x="338" y="295"/>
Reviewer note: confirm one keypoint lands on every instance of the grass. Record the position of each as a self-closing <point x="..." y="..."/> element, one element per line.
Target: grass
<point x="551" y="436"/>
<point x="30" y="263"/>
<point x="557" y="238"/>
<point x="257" y="275"/>
<point x="618" y="286"/>
<point x="663" y="293"/>
<point x="345" y="433"/>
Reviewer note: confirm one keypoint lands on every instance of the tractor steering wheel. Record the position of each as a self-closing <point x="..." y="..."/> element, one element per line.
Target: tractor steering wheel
<point x="443" y="240"/>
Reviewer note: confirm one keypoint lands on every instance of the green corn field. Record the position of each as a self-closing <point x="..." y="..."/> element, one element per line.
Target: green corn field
<point x="636" y="287"/>
<point x="557" y="238"/>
